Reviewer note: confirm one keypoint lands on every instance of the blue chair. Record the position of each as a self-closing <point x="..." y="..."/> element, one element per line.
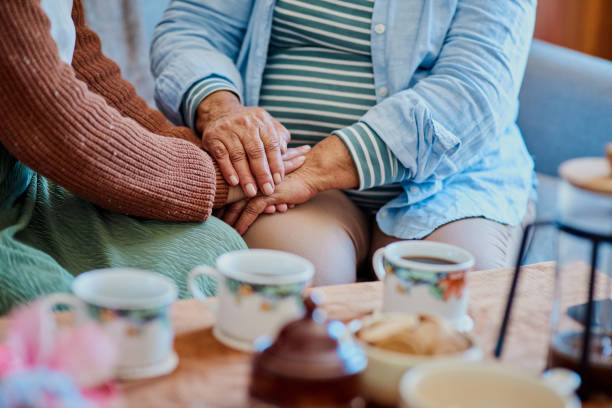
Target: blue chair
<point x="565" y="112"/>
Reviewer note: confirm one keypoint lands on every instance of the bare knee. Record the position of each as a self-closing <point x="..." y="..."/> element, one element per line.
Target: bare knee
<point x="492" y="244"/>
<point x="326" y="245"/>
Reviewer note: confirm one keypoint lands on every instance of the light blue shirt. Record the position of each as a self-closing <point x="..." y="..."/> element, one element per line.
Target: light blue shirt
<point x="447" y="76"/>
<point x="62" y="26"/>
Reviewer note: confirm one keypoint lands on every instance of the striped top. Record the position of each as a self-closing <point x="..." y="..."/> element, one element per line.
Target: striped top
<point x="319" y="80"/>
<point x="446" y="91"/>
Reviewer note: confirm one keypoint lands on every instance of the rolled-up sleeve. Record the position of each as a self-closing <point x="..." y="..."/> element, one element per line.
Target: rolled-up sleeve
<point x="198" y="92"/>
<point x="196" y="40"/>
<point x="375" y="163"/>
<point x="440" y="125"/>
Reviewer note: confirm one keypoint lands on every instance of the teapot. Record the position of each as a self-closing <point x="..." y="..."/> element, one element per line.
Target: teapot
<point x="313" y="362"/>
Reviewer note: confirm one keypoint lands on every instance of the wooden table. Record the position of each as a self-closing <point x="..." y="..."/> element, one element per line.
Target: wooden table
<point x="212" y="375"/>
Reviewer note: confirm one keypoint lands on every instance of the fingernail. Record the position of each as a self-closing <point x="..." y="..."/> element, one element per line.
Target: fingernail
<point x="267" y="188"/>
<point x="251" y="190"/>
<point x="233" y="180"/>
<point x="277" y="178"/>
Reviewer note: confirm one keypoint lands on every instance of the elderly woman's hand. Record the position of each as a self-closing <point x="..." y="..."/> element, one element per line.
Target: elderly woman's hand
<point x="247" y="142"/>
<point x="328" y="166"/>
<point x="295" y="189"/>
<point x="293" y="159"/>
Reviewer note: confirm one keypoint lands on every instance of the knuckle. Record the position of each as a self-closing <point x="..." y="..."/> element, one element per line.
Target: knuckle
<point x="237" y="155"/>
<point x="224" y="125"/>
<point x="285" y="134"/>
<point x="272" y="144"/>
<point x="218" y="151"/>
<point x="262" y="175"/>
<point x="244" y="120"/>
<point x="253" y="209"/>
<point x="256" y="152"/>
<point x="238" y="207"/>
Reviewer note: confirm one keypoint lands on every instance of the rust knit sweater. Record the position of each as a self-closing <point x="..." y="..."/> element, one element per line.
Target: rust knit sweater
<point x="85" y="128"/>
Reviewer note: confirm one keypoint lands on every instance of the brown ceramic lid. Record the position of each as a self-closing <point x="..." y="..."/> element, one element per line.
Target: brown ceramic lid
<point x="312" y="348"/>
<point x="590" y="173"/>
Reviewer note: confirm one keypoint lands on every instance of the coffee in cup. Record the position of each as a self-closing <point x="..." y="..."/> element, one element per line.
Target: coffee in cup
<point x="424" y="277"/>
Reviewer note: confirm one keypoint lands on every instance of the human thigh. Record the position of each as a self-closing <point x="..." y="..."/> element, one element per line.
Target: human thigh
<point x="493" y="244"/>
<point x="328" y="230"/>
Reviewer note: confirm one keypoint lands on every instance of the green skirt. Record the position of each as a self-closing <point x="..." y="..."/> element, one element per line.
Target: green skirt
<point x="48" y="236"/>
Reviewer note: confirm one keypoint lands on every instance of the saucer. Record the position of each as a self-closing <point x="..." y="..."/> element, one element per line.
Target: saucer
<point x="160" y="368"/>
<point x="241" y="345"/>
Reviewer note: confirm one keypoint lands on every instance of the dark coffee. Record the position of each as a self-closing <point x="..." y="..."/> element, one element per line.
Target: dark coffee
<point x="429" y="260"/>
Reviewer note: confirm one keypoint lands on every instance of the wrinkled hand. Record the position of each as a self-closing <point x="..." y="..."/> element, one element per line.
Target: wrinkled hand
<point x="247" y="142"/>
<point x="328" y="166"/>
<point x="295" y="189"/>
<point x="292" y="160"/>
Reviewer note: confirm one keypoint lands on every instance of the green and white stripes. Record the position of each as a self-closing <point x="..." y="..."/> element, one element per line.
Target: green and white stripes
<point x="198" y="92"/>
<point x="319" y="79"/>
<point x="328" y="24"/>
<point x="376" y="164"/>
<point x="314" y="91"/>
<point x="318" y="75"/>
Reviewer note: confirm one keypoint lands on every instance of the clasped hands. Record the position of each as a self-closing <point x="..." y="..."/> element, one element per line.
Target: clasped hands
<point x="265" y="176"/>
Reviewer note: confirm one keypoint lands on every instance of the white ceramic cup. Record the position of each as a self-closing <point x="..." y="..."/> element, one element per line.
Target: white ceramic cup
<point x="417" y="287"/>
<point x="462" y="384"/>
<point x="139" y="301"/>
<point x="258" y="292"/>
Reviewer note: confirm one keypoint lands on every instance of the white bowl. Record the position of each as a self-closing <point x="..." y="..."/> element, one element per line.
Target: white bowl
<point x="380" y="380"/>
<point x="464" y="384"/>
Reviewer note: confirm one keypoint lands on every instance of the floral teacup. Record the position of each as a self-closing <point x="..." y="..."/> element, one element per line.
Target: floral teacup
<point x="258" y="292"/>
<point x="425" y="277"/>
<point x="138" y="302"/>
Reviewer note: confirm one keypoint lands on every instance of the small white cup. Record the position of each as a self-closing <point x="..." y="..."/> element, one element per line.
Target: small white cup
<point x="464" y="384"/>
<point x="258" y="292"/>
<point x="140" y="301"/>
<point x="425" y="288"/>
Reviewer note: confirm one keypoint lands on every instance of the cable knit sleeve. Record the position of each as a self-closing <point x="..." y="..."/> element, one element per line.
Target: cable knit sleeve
<point x="103" y="76"/>
<point x="58" y="127"/>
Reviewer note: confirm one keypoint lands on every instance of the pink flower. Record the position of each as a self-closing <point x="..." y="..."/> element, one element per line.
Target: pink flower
<point x="8" y="361"/>
<point x="87" y="353"/>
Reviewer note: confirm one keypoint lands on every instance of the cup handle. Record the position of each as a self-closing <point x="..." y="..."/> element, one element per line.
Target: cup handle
<point x="78" y="307"/>
<point x="377" y="264"/>
<point x="203" y="270"/>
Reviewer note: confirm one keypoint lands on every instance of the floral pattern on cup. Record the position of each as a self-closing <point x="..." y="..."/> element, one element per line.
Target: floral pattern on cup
<point x="442" y="286"/>
<point x="270" y="294"/>
<point x="136" y="319"/>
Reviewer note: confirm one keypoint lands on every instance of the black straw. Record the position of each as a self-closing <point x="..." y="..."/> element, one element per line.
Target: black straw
<point x="517" y="269"/>
<point x="586" y="337"/>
